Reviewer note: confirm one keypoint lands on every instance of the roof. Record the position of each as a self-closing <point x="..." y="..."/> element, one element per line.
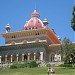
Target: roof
<point x="34" y="22"/>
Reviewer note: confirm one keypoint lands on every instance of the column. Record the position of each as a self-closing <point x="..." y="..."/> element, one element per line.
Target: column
<point x="0" y="58"/>
<point x="5" y="58"/>
<point x="41" y="56"/>
<point x="17" y="57"/>
<point x="22" y="57"/>
<point x="11" y="57"/>
<point x="28" y="56"/>
<point x="34" y="56"/>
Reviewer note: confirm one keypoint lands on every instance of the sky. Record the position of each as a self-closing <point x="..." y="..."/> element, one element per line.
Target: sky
<point x="57" y="12"/>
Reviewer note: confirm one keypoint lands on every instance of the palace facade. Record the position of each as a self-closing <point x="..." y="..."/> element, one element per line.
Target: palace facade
<point x="36" y="41"/>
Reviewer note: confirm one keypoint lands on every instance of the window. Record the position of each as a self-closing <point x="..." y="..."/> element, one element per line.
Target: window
<point x="38" y="33"/>
<point x="29" y="28"/>
<point x="12" y="36"/>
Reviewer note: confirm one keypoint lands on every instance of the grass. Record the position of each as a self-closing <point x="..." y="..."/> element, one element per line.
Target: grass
<point x="37" y="71"/>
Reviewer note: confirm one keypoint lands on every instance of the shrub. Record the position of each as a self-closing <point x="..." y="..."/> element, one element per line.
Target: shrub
<point x="33" y="64"/>
<point x="73" y="65"/>
<point x="48" y="65"/>
<point x="17" y="65"/>
<point x="13" y="66"/>
<point x="20" y="65"/>
<point x="23" y="65"/>
<point x="65" y="65"/>
<point x="26" y="64"/>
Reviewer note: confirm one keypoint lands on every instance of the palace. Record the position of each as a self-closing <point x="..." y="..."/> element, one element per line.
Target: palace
<point x="36" y="41"/>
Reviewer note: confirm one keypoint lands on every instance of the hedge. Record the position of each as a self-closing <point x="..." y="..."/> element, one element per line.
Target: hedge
<point x="65" y="65"/>
<point x="23" y="65"/>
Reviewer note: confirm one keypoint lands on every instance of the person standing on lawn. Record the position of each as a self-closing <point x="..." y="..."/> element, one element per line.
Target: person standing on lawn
<point x="48" y="71"/>
<point x="52" y="70"/>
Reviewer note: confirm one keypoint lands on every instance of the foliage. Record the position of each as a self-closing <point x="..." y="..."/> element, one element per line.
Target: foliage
<point x="73" y="65"/>
<point x="23" y="65"/>
<point x="73" y="19"/>
<point x="33" y="64"/>
<point x="67" y="51"/>
<point x="17" y="65"/>
<point x="48" y="65"/>
<point x="65" y="65"/>
<point x="26" y="64"/>
<point x="13" y="66"/>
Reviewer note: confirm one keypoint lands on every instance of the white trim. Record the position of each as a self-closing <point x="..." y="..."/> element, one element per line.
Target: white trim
<point x="55" y="45"/>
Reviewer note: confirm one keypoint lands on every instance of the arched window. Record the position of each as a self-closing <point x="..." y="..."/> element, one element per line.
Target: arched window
<point x="38" y="33"/>
<point x="14" y="36"/>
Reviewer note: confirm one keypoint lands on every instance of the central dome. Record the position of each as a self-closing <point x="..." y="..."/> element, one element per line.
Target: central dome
<point x="34" y="22"/>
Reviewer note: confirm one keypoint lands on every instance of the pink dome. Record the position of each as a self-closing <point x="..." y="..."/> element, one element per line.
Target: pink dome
<point x="34" y="22"/>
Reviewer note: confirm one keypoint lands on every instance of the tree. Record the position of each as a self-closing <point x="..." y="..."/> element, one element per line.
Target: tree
<point x="73" y="19"/>
<point x="73" y="27"/>
<point x="67" y="51"/>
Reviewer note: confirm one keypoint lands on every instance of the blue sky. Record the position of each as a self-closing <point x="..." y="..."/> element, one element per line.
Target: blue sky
<point x="57" y="12"/>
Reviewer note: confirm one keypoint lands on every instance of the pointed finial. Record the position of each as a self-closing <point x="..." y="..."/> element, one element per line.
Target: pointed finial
<point x="34" y="10"/>
<point x="8" y="24"/>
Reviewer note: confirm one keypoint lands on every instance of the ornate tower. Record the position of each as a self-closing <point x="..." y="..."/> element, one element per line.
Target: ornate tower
<point x="7" y="28"/>
<point x="45" y="22"/>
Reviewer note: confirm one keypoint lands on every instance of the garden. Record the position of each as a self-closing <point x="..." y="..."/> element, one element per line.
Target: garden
<point x="32" y="68"/>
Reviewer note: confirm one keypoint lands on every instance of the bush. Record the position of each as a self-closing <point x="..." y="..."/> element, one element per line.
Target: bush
<point x="17" y="65"/>
<point x="65" y="65"/>
<point x="33" y="64"/>
<point x="23" y="65"/>
<point x="26" y="64"/>
<point x="13" y="66"/>
<point x="73" y="65"/>
<point x="48" y="65"/>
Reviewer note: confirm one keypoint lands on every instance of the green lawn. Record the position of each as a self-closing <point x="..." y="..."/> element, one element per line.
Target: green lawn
<point x="37" y="71"/>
